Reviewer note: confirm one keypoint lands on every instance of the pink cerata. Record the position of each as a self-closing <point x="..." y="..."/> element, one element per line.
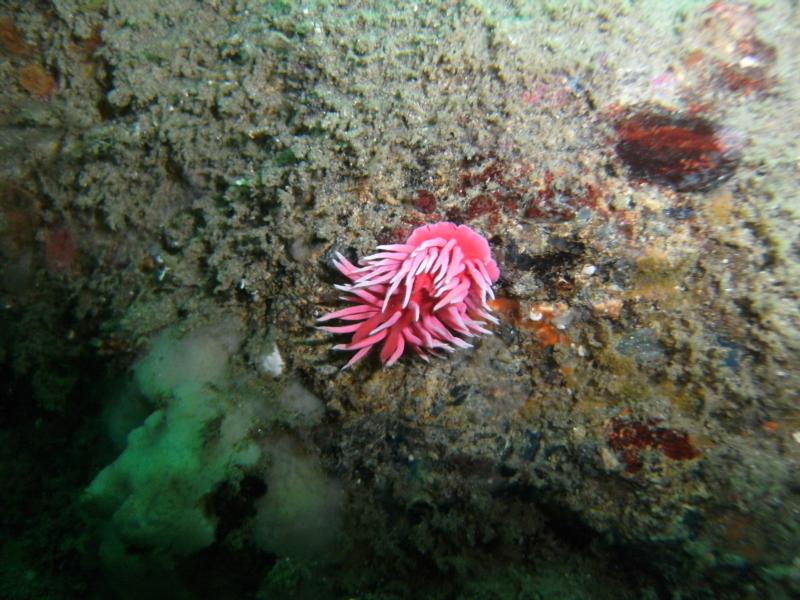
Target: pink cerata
<point x="422" y="295"/>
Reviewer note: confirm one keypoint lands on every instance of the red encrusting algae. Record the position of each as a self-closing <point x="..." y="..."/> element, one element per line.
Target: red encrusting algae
<point x="631" y="437"/>
<point x="685" y="151"/>
<point x="422" y="294"/>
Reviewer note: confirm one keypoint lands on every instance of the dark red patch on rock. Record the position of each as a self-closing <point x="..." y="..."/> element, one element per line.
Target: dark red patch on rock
<point x="61" y="251"/>
<point x="425" y="201"/>
<point x="629" y="438"/>
<point x="687" y="152"/>
<point x="480" y="205"/>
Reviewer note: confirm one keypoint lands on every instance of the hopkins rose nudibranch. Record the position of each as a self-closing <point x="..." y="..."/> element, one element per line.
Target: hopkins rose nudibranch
<point x="422" y="295"/>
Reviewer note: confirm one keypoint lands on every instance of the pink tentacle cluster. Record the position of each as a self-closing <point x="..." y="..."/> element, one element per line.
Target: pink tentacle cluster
<point x="422" y="295"/>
